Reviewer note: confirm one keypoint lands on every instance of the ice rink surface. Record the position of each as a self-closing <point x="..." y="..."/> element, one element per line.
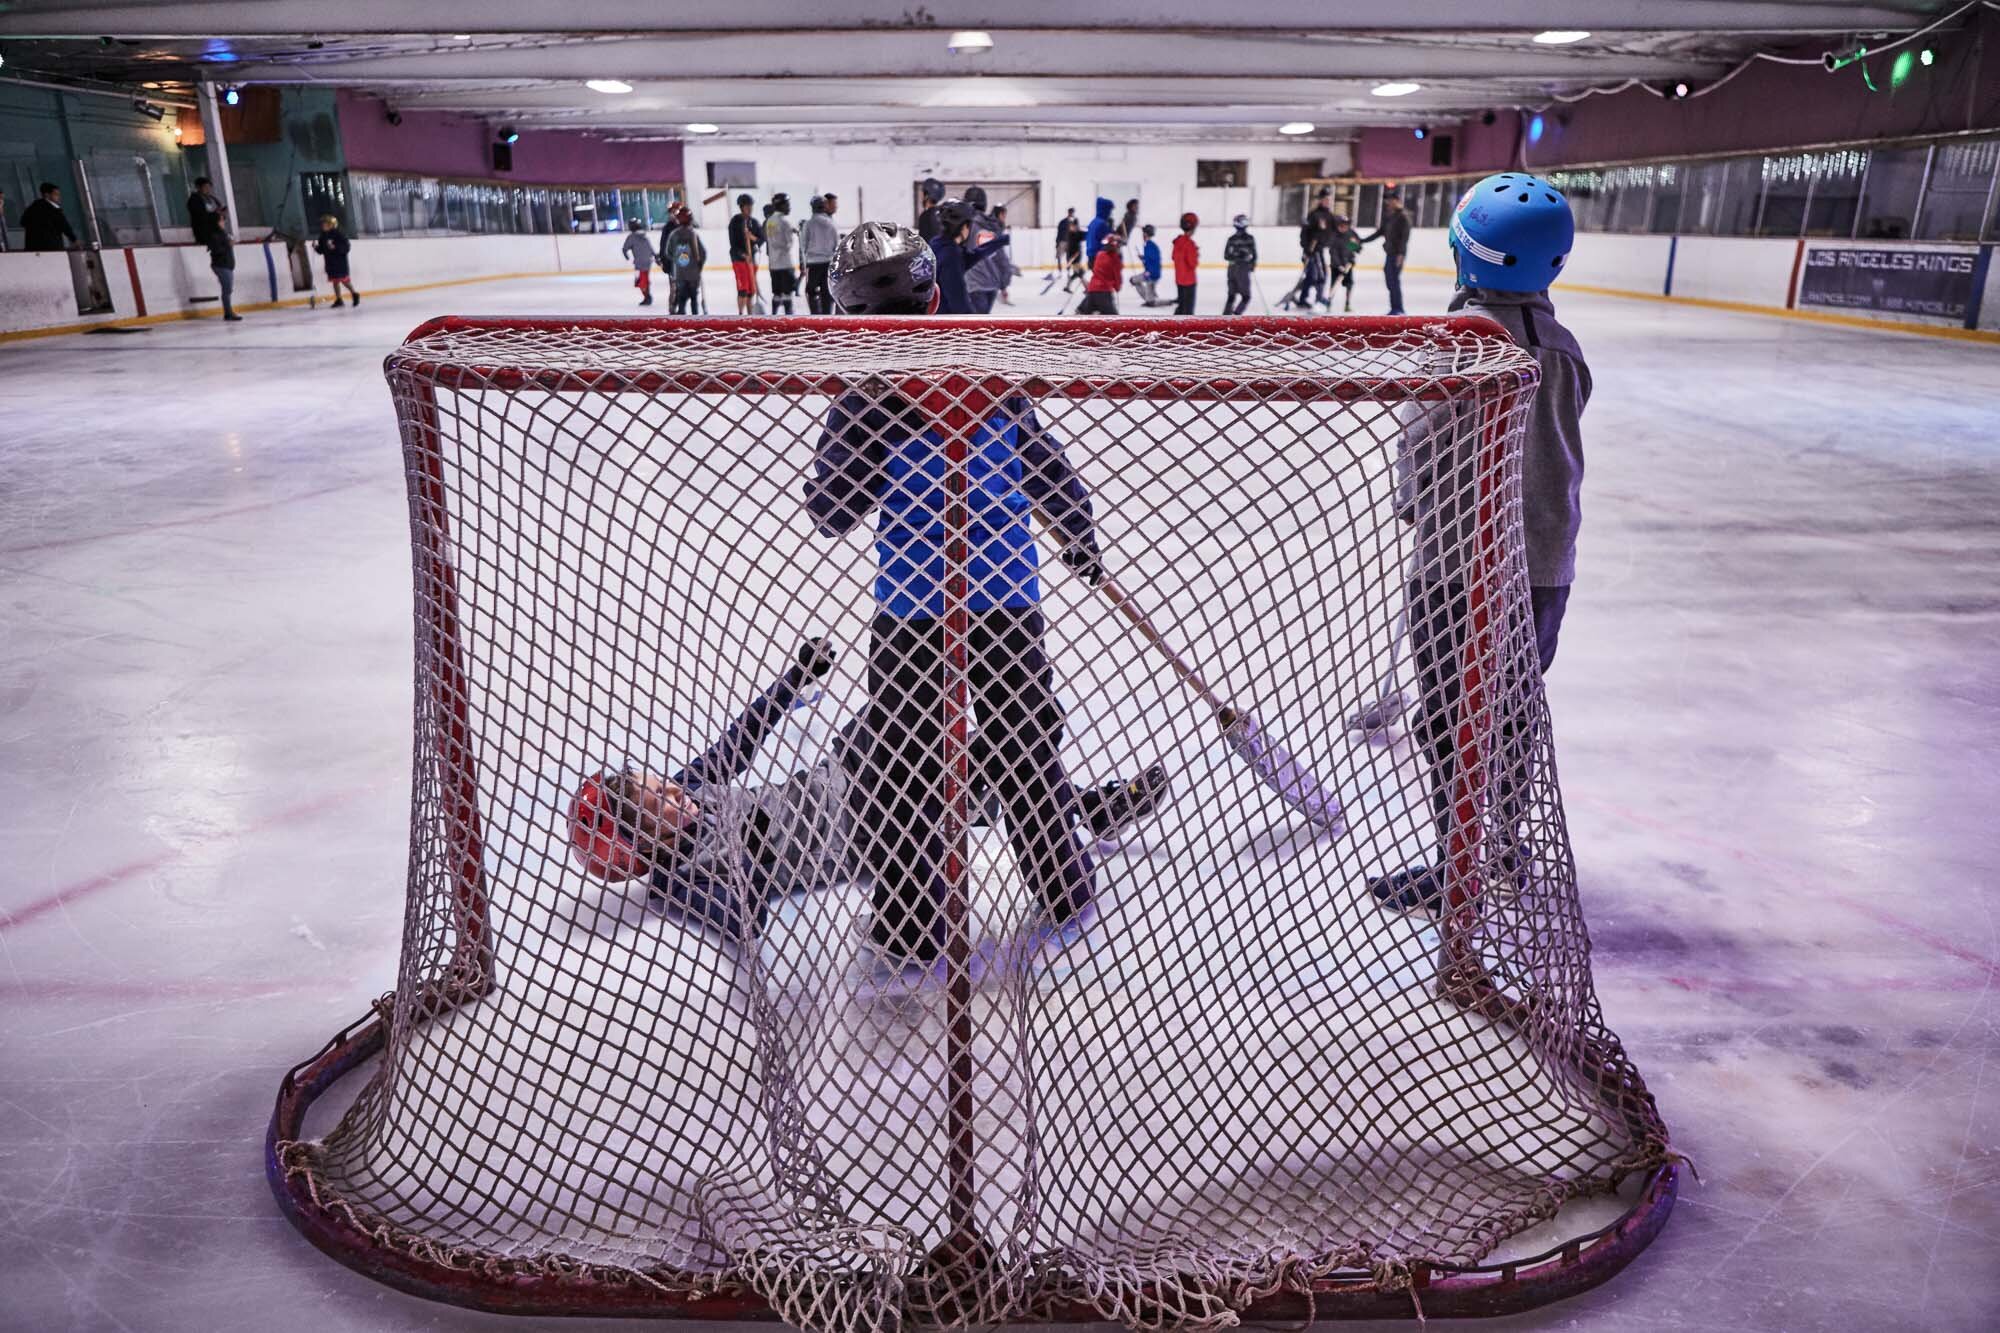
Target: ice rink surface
<point x="1777" y="709"/>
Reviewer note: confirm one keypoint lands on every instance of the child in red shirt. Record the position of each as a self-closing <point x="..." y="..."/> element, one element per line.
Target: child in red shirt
<point x="1107" y="275"/>
<point x="1187" y="257"/>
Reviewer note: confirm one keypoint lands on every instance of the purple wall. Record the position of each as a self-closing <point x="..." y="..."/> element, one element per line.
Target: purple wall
<point x="1478" y="148"/>
<point x="429" y="143"/>
<point x="1789" y="106"/>
<point x="1767" y="106"/>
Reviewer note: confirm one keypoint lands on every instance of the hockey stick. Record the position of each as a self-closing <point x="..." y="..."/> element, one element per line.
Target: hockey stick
<point x="1381" y="716"/>
<point x="1274" y="765"/>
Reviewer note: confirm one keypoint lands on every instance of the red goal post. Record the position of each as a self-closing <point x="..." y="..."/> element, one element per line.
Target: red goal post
<point x="1150" y="386"/>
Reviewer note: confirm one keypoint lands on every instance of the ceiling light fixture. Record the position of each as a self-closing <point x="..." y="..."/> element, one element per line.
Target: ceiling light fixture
<point x="1296" y="127"/>
<point x="607" y="85"/>
<point x="461" y="37"/>
<point x="1398" y="88"/>
<point x="701" y="127"/>
<point x="1560" y="36"/>
<point x="232" y="95"/>
<point x="970" y="42"/>
<point x="508" y="134"/>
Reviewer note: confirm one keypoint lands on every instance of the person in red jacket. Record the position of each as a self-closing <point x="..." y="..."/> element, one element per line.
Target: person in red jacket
<point x="1107" y="275"/>
<point x="1187" y="258"/>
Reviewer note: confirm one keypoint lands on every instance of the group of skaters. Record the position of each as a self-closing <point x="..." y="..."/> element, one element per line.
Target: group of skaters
<point x="1329" y="245"/>
<point x="871" y="811"/>
<point x="971" y="246"/>
<point x="785" y="246"/>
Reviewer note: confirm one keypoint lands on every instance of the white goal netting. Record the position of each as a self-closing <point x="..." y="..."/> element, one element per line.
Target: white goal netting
<point x="906" y="819"/>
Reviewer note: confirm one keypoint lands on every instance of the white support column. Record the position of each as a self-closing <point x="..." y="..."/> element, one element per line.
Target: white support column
<point x="218" y="152"/>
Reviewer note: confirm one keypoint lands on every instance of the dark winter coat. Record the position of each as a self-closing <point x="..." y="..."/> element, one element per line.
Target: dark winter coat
<point x="1394" y="233"/>
<point x="952" y="258"/>
<point x="204" y="216"/>
<point x="333" y="248"/>
<point x="1240" y="249"/>
<point x="43" y="227"/>
<point x="1093" y="235"/>
<point x="682" y="254"/>
<point x="745" y="235"/>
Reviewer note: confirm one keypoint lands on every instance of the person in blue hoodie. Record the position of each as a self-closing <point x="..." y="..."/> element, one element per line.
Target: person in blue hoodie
<point x="881" y="453"/>
<point x="954" y="255"/>
<point x="1093" y="235"/>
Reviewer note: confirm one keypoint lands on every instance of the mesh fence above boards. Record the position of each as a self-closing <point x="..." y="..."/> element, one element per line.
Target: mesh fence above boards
<point x="920" y="823"/>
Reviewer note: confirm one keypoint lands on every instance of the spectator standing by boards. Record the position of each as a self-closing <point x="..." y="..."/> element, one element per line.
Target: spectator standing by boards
<point x="209" y="221"/>
<point x="1395" y="236"/>
<point x="332" y="245"/>
<point x="43" y="226"/>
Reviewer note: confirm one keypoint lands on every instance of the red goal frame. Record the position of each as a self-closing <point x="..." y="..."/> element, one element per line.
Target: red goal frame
<point x="956" y="401"/>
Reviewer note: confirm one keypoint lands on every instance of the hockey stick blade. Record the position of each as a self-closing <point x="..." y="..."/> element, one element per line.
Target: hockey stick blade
<point x="1282" y="773"/>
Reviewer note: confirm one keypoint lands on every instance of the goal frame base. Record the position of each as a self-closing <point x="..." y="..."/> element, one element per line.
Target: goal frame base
<point x="579" y="1289"/>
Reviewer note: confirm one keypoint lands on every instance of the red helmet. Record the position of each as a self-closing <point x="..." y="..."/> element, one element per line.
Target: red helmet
<point x="1189" y="221"/>
<point x="601" y="845"/>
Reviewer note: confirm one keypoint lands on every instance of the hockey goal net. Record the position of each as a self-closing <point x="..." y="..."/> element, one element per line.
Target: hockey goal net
<point x="901" y="817"/>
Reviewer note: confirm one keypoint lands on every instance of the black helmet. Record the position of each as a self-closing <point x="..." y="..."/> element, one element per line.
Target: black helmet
<point x="975" y="197"/>
<point x="933" y="189"/>
<point x="882" y="269"/>
<point x="743" y="200"/>
<point x="782" y="202"/>
<point x="817" y="204"/>
<point x="953" y="214"/>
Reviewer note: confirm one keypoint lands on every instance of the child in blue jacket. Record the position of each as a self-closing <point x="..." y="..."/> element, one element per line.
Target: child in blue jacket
<point x="881" y="453"/>
<point x="1147" y="281"/>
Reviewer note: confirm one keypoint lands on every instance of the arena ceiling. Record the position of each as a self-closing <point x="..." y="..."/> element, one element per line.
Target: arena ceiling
<point x="837" y="70"/>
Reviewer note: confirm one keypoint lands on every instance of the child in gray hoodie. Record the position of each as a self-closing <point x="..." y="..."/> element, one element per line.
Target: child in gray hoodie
<point x="1510" y="235"/>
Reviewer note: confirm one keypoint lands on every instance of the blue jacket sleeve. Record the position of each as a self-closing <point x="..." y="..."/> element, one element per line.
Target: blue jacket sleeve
<point x="1051" y="483"/>
<point x="847" y="466"/>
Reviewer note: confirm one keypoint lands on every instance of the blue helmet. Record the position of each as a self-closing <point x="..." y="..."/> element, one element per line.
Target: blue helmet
<point x="1512" y="232"/>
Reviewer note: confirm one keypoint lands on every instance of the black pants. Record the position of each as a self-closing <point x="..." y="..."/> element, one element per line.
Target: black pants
<point x="1238" y="299"/>
<point x="784" y="285"/>
<point x="687" y="299"/>
<point x="1392" y="274"/>
<point x="1097" y="303"/>
<point x="982" y="302"/>
<point x="1184" y="303"/>
<point x="818" y="299"/>
<point x="1439" y="618"/>
<point x="899" y="781"/>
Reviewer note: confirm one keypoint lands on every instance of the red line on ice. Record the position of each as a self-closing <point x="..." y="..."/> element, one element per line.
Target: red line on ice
<point x="1865" y="908"/>
<point x="56" y="544"/>
<point x="83" y="888"/>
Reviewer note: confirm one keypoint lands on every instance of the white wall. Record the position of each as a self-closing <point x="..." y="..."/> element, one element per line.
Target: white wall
<point x="878" y="181"/>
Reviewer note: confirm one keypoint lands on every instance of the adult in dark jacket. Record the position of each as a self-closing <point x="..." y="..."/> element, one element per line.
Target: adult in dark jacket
<point x="954" y="255"/>
<point x="1394" y="234"/>
<point x="43" y="226"/>
<point x="206" y="215"/>
<point x="210" y="222"/>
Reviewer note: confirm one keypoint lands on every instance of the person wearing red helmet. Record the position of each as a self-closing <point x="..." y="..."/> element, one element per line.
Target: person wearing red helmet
<point x="1187" y="260"/>
<point x="1107" y="275"/>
